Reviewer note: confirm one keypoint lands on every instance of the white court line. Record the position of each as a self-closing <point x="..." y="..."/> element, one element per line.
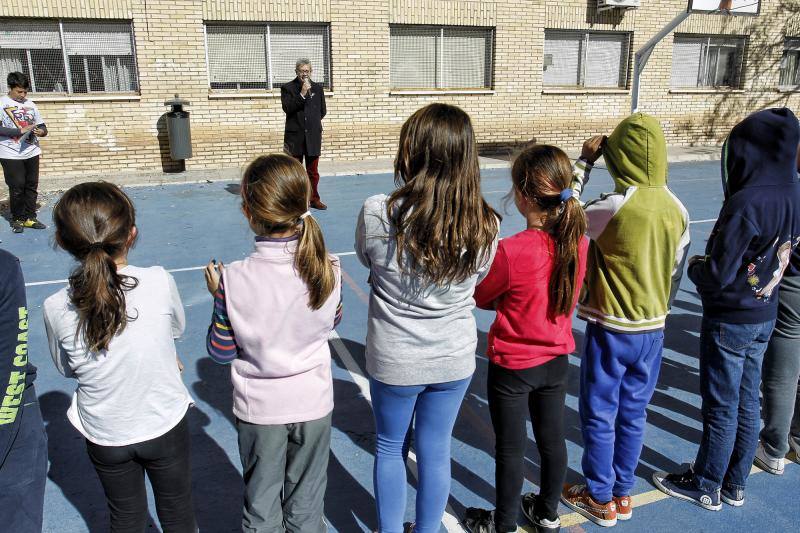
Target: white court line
<point x="449" y="520"/>
<point x="186" y="269"/>
<point x="702" y="221"/>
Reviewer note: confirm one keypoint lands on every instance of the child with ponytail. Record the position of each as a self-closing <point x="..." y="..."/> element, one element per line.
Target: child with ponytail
<point x="533" y="286"/>
<point x="113" y="329"/>
<point x="273" y="313"/>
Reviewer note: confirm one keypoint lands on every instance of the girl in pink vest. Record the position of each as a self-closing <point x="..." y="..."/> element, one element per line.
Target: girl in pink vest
<point x="273" y="313"/>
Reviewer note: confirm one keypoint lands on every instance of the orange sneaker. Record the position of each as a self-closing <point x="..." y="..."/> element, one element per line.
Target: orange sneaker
<point x="577" y="498"/>
<point x="624" y="507"/>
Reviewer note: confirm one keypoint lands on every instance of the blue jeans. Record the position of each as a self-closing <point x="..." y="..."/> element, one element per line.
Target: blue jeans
<point x="433" y="408"/>
<point x="730" y="373"/>
<point x="23" y="474"/>
<point x="619" y="372"/>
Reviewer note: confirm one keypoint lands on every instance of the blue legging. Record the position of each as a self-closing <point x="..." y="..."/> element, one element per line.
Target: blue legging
<point x="434" y="409"/>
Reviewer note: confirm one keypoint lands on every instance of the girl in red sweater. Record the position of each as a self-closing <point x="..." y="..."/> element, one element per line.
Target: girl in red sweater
<point x="533" y="285"/>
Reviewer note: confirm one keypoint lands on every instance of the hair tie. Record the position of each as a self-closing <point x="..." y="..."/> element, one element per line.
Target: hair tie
<point x="304" y="215"/>
<point x="96" y="246"/>
<point x="565" y="195"/>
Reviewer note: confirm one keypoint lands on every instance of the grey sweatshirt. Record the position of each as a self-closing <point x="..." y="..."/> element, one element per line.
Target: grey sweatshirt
<point x="416" y="335"/>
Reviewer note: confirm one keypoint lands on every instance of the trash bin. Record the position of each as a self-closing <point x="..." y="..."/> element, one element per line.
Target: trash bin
<point x="180" y="136"/>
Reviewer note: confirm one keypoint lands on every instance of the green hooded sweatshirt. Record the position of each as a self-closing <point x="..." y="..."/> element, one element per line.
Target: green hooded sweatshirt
<point x="639" y="233"/>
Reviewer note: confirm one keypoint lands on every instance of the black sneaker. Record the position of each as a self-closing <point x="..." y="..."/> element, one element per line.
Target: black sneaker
<point x="479" y="520"/>
<point x="682" y="486"/>
<point x="17" y="226"/>
<point x="732" y="495"/>
<point x="408" y="527"/>
<point x="540" y="523"/>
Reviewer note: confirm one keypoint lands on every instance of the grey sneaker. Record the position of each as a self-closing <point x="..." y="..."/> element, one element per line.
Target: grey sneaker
<point x="766" y="462"/>
<point x="479" y="520"/>
<point x="732" y="495"/>
<point x="17" y="226"/>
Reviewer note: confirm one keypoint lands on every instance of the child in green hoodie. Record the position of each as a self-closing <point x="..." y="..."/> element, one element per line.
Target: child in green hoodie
<point x="639" y="236"/>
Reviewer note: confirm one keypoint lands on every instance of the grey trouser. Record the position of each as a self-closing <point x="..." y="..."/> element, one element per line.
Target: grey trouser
<point x="285" y="474"/>
<point x="780" y="376"/>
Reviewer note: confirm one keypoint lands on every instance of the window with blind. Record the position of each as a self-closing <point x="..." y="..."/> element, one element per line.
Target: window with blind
<point x="707" y="61"/>
<point x="263" y="56"/>
<point x="790" y="64"/>
<point x="588" y="59"/>
<point x="440" y="57"/>
<point x="69" y="57"/>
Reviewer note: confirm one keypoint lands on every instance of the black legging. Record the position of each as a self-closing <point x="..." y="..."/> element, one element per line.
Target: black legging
<point x="166" y="460"/>
<point x="513" y="396"/>
<point x="22" y="178"/>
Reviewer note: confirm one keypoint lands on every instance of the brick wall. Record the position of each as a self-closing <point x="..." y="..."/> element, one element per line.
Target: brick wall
<point x="92" y="134"/>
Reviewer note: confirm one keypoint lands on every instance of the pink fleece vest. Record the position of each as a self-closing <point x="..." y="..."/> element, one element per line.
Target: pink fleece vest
<point x="283" y="372"/>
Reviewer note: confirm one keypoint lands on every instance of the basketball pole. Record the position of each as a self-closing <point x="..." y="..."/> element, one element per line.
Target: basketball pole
<point x="643" y="54"/>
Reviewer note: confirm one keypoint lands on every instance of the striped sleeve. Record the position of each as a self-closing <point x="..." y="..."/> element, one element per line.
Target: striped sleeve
<point x="220" y="341"/>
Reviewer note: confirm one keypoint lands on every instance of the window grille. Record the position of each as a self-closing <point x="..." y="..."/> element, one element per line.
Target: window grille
<point x="704" y="61"/>
<point x="585" y="59"/>
<point x="440" y="57"/>
<point x="69" y="57"/>
<point x="263" y="56"/>
<point x="790" y="64"/>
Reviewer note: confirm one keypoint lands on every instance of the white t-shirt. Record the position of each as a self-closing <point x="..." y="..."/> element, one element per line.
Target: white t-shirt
<point x="131" y="392"/>
<point x="19" y="115"/>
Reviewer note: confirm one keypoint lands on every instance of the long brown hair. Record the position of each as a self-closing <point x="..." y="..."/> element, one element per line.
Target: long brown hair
<point x="441" y="220"/>
<point x="540" y="173"/>
<point x="94" y="223"/>
<point x="275" y="196"/>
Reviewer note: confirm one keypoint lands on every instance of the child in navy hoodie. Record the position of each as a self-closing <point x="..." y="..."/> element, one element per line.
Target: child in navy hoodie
<point x="738" y="280"/>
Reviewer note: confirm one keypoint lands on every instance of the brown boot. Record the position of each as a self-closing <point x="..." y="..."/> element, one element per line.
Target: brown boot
<point x="317" y="204"/>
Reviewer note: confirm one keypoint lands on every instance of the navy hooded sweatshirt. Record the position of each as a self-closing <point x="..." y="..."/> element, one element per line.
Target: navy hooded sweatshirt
<point x="16" y="373"/>
<point x="758" y="227"/>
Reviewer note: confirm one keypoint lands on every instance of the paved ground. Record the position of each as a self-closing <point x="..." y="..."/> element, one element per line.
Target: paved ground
<point x="327" y="167"/>
<point x="182" y="226"/>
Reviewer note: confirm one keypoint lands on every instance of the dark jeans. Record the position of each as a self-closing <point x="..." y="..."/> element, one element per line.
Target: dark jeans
<point x="513" y="396"/>
<point x="780" y="380"/>
<point x="24" y="472"/>
<point x="730" y="373"/>
<point x="22" y="178"/>
<point x="313" y="173"/>
<point x="166" y="460"/>
<point x="285" y="470"/>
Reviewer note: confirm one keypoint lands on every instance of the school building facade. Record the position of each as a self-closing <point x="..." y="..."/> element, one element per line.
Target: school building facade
<point x="554" y="71"/>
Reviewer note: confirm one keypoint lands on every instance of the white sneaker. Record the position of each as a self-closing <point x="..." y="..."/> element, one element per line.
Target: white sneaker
<point x="767" y="463"/>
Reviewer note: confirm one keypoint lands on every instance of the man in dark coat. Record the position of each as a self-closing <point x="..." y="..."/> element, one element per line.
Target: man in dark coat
<point x="303" y="102"/>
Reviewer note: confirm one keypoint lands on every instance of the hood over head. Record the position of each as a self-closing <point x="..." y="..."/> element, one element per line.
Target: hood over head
<point x="636" y="153"/>
<point x="761" y="150"/>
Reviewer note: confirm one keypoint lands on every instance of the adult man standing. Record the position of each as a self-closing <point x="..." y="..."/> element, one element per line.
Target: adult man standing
<point x="303" y="102"/>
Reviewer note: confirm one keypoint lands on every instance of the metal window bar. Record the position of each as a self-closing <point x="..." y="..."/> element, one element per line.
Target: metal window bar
<point x="268" y="51"/>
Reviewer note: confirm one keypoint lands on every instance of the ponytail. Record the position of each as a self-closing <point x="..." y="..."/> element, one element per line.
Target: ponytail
<point x="94" y="222"/>
<point x="543" y="174"/>
<point x="275" y="197"/>
<point x="568" y="230"/>
<point x="313" y="263"/>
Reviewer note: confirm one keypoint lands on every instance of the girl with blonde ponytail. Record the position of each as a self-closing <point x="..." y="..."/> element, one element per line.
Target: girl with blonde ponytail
<point x="113" y="329"/>
<point x="533" y="286"/>
<point x="273" y="313"/>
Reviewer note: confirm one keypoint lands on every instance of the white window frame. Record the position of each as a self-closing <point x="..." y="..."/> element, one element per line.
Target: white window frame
<point x="439" y="71"/>
<point x="702" y="73"/>
<point x="65" y="56"/>
<point x="583" y="59"/>
<point x="791" y="45"/>
<point x="269" y="75"/>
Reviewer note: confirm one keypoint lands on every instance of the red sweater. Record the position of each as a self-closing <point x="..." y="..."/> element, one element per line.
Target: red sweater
<point x="522" y="335"/>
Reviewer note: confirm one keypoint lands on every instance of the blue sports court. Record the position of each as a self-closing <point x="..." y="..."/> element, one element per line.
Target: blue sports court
<point x="183" y="226"/>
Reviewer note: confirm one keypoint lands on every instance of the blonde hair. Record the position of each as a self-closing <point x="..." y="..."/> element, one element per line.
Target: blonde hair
<point x="275" y="195"/>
